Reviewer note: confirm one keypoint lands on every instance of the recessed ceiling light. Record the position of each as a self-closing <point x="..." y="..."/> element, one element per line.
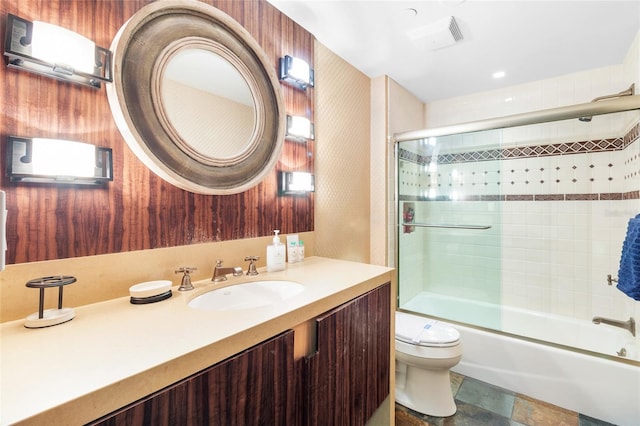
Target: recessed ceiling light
<point x="499" y="74"/>
<point x="410" y="11"/>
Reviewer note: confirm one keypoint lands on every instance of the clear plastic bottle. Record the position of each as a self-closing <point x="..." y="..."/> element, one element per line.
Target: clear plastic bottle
<point x="292" y="252"/>
<point x="276" y="254"/>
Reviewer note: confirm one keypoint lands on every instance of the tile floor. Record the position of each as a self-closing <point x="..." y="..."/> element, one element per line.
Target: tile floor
<point x="482" y="404"/>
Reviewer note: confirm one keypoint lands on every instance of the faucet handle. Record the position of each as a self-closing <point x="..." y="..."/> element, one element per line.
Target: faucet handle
<point x="218" y="263"/>
<point x="252" y="265"/>
<point x="185" y="284"/>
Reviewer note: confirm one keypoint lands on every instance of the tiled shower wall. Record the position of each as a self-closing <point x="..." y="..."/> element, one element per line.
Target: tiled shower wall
<point x="550" y="247"/>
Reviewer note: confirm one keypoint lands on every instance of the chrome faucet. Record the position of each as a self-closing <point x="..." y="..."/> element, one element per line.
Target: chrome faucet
<point x="252" y="264"/>
<point x="627" y="325"/>
<point x="186" y="285"/>
<point x="220" y="273"/>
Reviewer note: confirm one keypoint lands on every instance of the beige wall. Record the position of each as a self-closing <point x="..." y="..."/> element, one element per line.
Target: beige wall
<point x="342" y="158"/>
<point x="380" y="151"/>
<point x="232" y="122"/>
<point x="393" y="110"/>
<point x="406" y="112"/>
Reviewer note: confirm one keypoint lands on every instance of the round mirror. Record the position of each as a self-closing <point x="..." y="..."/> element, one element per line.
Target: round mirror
<point x="190" y="96"/>
<point x="195" y="97"/>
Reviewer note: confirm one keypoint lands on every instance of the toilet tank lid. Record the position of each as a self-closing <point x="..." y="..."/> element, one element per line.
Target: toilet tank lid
<point x="416" y="330"/>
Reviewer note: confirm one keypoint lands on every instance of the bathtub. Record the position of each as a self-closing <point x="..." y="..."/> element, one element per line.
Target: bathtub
<point x="598" y="386"/>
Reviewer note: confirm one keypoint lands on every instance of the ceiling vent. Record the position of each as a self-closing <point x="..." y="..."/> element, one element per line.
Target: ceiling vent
<point x="442" y="33"/>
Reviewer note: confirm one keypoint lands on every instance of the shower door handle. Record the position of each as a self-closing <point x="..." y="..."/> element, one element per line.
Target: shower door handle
<point x="429" y="225"/>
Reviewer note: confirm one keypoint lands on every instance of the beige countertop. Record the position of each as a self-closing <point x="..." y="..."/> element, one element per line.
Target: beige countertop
<point x="114" y="352"/>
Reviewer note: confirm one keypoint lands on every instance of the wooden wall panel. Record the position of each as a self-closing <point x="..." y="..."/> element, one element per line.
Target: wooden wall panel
<point x="137" y="210"/>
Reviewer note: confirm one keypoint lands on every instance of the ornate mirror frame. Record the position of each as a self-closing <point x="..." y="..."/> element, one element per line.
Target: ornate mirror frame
<point x="141" y="51"/>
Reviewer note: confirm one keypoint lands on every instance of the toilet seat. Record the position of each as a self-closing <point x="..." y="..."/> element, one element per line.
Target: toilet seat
<point x="427" y="332"/>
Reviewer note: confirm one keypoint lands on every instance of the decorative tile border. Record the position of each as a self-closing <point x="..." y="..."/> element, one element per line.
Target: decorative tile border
<point x="605" y="196"/>
<point x="580" y="147"/>
<point x="631" y="195"/>
<point x="528" y="175"/>
<point x="551" y="197"/>
<point x="632" y="135"/>
<point x="582" y="197"/>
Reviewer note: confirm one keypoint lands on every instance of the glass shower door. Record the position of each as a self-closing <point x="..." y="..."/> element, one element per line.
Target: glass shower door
<point x="449" y="241"/>
<point x="517" y="229"/>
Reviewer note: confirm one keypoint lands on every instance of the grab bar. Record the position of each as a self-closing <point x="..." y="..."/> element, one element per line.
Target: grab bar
<point x="443" y="225"/>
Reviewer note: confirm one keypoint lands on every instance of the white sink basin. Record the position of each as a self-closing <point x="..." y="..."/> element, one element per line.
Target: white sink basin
<point x="250" y="295"/>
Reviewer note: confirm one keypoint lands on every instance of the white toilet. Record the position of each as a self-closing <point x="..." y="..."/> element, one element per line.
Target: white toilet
<point x="425" y="351"/>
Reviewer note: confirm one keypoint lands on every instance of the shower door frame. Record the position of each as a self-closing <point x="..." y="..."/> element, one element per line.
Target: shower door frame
<point x="626" y="103"/>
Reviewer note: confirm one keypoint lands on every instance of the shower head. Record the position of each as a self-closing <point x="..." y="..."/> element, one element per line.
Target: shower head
<point x="629" y="92"/>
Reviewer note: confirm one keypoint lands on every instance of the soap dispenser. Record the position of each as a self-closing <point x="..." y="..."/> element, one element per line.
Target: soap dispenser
<point x="276" y="254"/>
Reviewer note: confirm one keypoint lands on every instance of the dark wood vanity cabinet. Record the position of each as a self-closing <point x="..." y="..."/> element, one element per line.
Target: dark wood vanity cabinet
<point x="342" y="382"/>
<point x="254" y="387"/>
<point x="347" y="378"/>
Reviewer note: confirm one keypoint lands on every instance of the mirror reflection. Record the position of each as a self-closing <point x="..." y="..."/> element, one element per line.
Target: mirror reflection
<point x="199" y="86"/>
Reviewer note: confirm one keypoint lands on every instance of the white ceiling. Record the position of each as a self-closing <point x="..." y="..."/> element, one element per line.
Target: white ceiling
<point x="528" y="40"/>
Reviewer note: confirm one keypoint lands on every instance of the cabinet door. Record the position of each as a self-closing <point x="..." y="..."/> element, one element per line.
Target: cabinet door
<point x="347" y="379"/>
<point x="255" y="387"/>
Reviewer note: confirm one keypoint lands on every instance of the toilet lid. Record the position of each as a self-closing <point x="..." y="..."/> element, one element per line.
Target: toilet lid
<point x="424" y="331"/>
